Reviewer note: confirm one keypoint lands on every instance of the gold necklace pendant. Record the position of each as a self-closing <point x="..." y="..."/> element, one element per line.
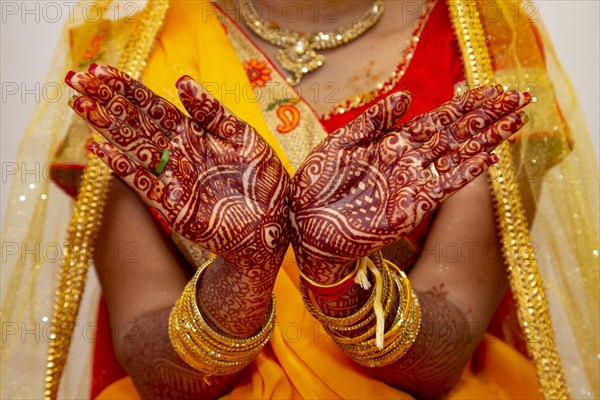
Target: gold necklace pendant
<point x="299" y="59"/>
<point x="298" y="51"/>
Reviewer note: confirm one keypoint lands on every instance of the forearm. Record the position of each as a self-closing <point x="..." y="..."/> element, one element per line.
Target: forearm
<point x="156" y="369"/>
<point x="435" y="362"/>
<point x="235" y="302"/>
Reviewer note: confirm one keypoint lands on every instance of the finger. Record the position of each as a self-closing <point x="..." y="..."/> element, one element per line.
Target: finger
<point x="164" y="114"/>
<point x="488" y="113"/>
<point x="471" y="124"/>
<point x="376" y="120"/>
<point x="150" y="189"/>
<point x="422" y="127"/>
<point x="127" y="139"/>
<point x="483" y="142"/>
<point x="117" y="105"/>
<point x="210" y="115"/>
<point x="435" y="191"/>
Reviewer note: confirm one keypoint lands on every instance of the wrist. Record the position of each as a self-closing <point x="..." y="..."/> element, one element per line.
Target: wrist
<point x="234" y="301"/>
<point x="346" y="296"/>
<point x="205" y="348"/>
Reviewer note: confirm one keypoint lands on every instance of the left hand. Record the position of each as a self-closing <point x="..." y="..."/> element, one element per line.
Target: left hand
<point x="369" y="183"/>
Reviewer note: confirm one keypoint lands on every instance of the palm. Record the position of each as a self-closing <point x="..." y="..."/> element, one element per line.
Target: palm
<point x="222" y="187"/>
<point x="369" y="183"/>
<point x="220" y="193"/>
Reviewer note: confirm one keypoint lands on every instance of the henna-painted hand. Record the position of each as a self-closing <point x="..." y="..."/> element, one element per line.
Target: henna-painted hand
<point x="370" y="183"/>
<point x="223" y="187"/>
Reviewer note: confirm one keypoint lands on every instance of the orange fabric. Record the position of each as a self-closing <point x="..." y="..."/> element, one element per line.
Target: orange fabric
<point x="505" y="374"/>
<point x="300" y="361"/>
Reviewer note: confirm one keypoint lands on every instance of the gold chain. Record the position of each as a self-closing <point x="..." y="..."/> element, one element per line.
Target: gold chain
<point x="298" y="52"/>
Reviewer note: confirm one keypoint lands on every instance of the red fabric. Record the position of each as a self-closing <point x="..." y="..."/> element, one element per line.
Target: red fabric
<point x="105" y="367"/>
<point x="432" y="74"/>
<point x="67" y="177"/>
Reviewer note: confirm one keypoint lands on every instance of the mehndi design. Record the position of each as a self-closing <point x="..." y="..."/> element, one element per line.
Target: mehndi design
<point x="369" y="183"/>
<point x="223" y="186"/>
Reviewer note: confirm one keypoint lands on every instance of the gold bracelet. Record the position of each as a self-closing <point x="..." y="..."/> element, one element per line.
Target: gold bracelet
<point x="343" y="322"/>
<point x="399" y="338"/>
<point x="402" y="314"/>
<point x="396" y="349"/>
<point x="203" y="348"/>
<point x="367" y="344"/>
<point x="332" y="291"/>
<point x="339" y="333"/>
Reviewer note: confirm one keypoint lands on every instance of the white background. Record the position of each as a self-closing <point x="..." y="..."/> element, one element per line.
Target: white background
<point x="28" y="41"/>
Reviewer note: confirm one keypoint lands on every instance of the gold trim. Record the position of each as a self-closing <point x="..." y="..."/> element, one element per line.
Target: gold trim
<point x="88" y="211"/>
<point x="523" y="272"/>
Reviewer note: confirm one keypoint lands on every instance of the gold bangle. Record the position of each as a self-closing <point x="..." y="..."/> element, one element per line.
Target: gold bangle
<point x="338" y="333"/>
<point x="203" y="348"/>
<point x="399" y="338"/>
<point x="402" y="314"/>
<point x="332" y="291"/>
<point x="367" y="345"/>
<point x="211" y="333"/>
<point x="399" y="347"/>
<point x="347" y="322"/>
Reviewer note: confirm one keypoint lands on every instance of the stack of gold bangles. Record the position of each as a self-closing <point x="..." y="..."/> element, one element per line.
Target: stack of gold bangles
<point x="203" y="348"/>
<point x="357" y="339"/>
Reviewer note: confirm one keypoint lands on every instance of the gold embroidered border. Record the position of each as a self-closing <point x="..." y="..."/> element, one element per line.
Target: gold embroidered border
<point x="524" y="277"/>
<point x="87" y="214"/>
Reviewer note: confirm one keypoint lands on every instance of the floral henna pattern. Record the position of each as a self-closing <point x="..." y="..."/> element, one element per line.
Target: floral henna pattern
<point x="369" y="183"/>
<point x="144" y="149"/>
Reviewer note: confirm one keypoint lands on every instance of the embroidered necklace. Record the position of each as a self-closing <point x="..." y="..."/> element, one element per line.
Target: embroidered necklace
<point x="298" y="50"/>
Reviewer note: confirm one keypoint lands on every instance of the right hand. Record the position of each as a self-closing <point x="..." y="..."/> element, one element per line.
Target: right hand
<point x="223" y="187"/>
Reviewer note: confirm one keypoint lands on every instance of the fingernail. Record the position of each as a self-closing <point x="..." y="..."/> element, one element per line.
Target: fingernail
<point x="524" y="117"/>
<point x="184" y="77"/>
<point x="72" y="100"/>
<point x="92" y="146"/>
<point x="499" y="88"/>
<point x="69" y="76"/>
<point x="494" y="158"/>
<point x="528" y="97"/>
<point x="92" y="68"/>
